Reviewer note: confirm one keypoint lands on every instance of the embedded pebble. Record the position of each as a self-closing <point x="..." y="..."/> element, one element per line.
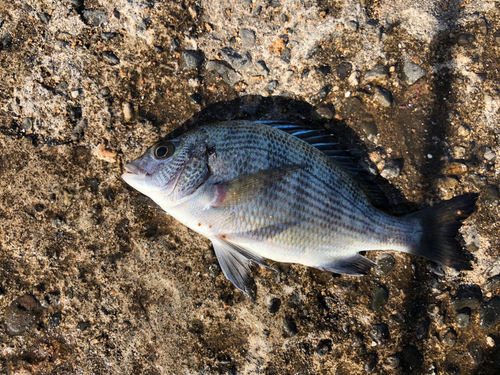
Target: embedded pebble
<point x="344" y="70"/>
<point x="110" y="58"/>
<point x="491" y="195"/>
<point x="369" y="128"/>
<point x="324" y="346"/>
<point x="380" y="333"/>
<point x="196" y="98"/>
<point x="482" y="24"/>
<point x="247" y="38"/>
<point x="237" y="61"/>
<point x="352" y="105"/>
<point x="75" y="3"/>
<point x="45" y="18"/>
<point x="463" y="320"/>
<point x="463" y="130"/>
<point x="476" y="352"/>
<point x="78" y="130"/>
<point x="489" y="314"/>
<point x="489" y="154"/>
<point x="270" y="87"/>
<point x="450" y="338"/>
<point x="385" y="264"/>
<point x="262" y="69"/>
<point x="352" y="26"/>
<point x="104" y="92"/>
<point x="353" y="79"/>
<point x="469" y="297"/>
<point x="127" y="111"/>
<point x="382" y="97"/>
<point x="391" y="170"/>
<point x="214" y="270"/>
<point x="228" y="74"/>
<point x="274" y="306"/>
<point x="413" y="72"/>
<point x="21" y="315"/>
<point x="379" y="72"/>
<point x="324" y="113"/>
<point x="492" y="283"/>
<point x="107" y="36"/>
<point x="320" y="95"/>
<point x="62" y="87"/>
<point x="494" y="268"/>
<point x="55" y="319"/>
<point x="191" y="59"/>
<point x="446" y="185"/>
<point x="466" y="39"/>
<point x="380" y="297"/>
<point x="82" y="326"/>
<point x="94" y="17"/>
<point x="289" y="327"/>
<point x="490" y="341"/>
<point x="174" y="44"/>
<point x="27" y="124"/>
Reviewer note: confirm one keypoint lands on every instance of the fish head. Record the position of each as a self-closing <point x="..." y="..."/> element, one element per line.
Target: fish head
<point x="171" y="169"/>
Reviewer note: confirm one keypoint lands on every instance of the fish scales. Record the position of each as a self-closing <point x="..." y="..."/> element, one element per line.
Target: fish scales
<point x="327" y="193"/>
<point x="260" y="193"/>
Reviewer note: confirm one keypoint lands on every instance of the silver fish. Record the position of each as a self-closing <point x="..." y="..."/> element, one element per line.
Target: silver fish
<point x="275" y="191"/>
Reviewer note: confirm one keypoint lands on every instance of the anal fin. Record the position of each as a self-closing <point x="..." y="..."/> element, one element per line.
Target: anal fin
<point x="356" y="265"/>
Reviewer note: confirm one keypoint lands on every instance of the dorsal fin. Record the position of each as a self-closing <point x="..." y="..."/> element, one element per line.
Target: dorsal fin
<point x="321" y="141"/>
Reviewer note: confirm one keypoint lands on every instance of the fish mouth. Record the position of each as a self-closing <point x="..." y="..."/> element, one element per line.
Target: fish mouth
<point x="134" y="169"/>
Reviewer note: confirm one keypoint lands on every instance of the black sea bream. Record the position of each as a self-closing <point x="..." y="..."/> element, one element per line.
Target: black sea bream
<point x="271" y="191"/>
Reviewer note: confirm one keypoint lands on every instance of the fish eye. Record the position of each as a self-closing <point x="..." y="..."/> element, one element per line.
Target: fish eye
<point x="164" y="150"/>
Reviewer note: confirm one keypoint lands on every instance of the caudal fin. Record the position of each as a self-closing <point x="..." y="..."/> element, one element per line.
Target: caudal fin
<point x="440" y="225"/>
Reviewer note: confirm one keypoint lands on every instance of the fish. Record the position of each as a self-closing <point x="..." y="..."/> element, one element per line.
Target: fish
<point x="276" y="191"/>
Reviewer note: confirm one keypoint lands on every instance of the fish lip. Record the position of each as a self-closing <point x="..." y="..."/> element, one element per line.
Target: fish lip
<point x="134" y="169"/>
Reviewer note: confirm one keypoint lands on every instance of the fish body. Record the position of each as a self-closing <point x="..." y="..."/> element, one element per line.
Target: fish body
<point x="259" y="192"/>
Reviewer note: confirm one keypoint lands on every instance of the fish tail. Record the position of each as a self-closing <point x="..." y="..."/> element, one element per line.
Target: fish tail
<point x="440" y="225"/>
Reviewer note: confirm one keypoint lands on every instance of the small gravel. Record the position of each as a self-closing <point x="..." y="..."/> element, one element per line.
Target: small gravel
<point x="380" y="297"/>
<point x="379" y="72"/>
<point x="382" y="97"/>
<point x="466" y="40"/>
<point x="247" y="38"/>
<point x="385" y="264"/>
<point x="191" y="59"/>
<point x="274" y="306"/>
<point x="21" y="315"/>
<point x="289" y="327"/>
<point x="94" y="17"/>
<point x="391" y="170"/>
<point x="110" y="58"/>
<point x="413" y="72"/>
<point x="237" y="61"/>
<point x="490" y="313"/>
<point x="344" y="70"/>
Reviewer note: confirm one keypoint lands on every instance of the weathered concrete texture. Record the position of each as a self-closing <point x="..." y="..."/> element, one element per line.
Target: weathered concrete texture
<point x="94" y="278"/>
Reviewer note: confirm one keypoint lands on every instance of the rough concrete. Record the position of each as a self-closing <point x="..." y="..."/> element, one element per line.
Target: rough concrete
<point x="94" y="278"/>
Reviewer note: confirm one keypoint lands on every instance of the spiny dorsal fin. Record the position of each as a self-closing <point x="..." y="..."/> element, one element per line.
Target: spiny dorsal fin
<point x="319" y="140"/>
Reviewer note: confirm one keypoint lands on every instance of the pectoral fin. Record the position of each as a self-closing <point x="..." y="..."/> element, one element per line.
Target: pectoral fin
<point x="234" y="261"/>
<point x="245" y="188"/>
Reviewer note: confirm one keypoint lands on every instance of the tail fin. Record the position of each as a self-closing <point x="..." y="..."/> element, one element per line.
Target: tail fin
<point x="440" y="225"/>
